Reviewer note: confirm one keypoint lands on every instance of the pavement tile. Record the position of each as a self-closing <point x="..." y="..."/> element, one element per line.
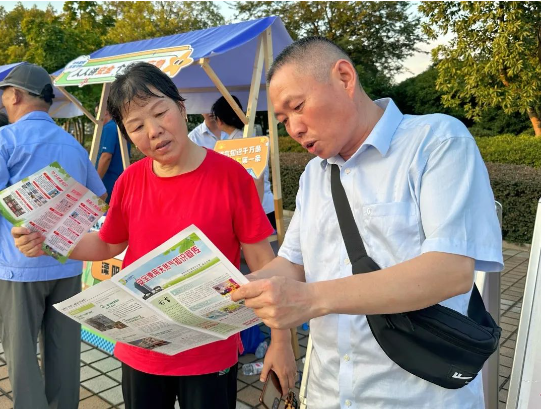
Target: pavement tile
<point x="241" y="405"/>
<point x="5" y="403"/>
<point x="502" y="396"/>
<point x="247" y="358"/>
<point x="506" y="351"/>
<point x="114" y="395"/>
<point x="84" y="393"/>
<point x="121" y="406"/>
<point x="248" y="379"/>
<point x="93" y="402"/>
<point x="99" y="384"/>
<point x="92" y="356"/>
<point x="5" y="385"/>
<point x="240" y="385"/>
<point x="506" y="361"/>
<point x="249" y="395"/>
<point x="105" y="365"/>
<point x="87" y="373"/>
<point x="3" y="371"/>
<point x="116" y="374"/>
<point x="85" y="347"/>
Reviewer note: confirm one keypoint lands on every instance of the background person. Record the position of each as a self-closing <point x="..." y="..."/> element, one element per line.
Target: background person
<point x="110" y="161"/>
<point x="30" y="286"/>
<point x="178" y="184"/>
<point x="422" y="202"/>
<point x="207" y="133"/>
<point x="233" y="126"/>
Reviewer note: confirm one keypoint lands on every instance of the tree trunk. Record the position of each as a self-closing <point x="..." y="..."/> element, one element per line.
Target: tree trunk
<point x="536" y="121"/>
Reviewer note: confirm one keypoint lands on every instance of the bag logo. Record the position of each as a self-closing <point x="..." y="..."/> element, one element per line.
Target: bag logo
<point x="460" y="376"/>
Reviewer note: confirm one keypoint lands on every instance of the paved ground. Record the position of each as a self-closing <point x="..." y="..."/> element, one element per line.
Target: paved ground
<point x="101" y="373"/>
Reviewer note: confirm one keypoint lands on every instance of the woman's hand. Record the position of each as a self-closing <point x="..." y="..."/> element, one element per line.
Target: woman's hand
<point x="280" y="358"/>
<point x="29" y="243"/>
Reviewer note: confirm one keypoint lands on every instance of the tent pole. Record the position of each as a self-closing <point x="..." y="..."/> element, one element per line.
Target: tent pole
<point x="273" y="138"/>
<point x="99" y="124"/>
<point x="275" y="163"/>
<point x="78" y="104"/>
<point x="254" y="88"/>
<point x="123" y="146"/>
<point x="56" y="110"/>
<point x="204" y="63"/>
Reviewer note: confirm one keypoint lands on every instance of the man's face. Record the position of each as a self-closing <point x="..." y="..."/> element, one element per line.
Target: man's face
<point x="318" y="115"/>
<point x="210" y="120"/>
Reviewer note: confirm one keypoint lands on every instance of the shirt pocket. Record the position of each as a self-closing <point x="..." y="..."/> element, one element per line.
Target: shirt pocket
<point x="391" y="231"/>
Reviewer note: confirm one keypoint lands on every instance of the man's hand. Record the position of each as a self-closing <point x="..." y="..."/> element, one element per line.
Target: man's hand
<point x="29" y="243"/>
<point x="280" y="358"/>
<point x="280" y="302"/>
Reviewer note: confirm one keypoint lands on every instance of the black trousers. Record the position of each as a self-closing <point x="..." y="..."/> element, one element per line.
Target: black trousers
<point x="208" y="391"/>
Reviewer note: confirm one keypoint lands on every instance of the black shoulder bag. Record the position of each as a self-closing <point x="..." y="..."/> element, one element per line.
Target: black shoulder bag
<point x="436" y="344"/>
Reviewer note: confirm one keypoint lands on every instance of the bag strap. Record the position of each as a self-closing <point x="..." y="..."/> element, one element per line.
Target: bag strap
<point x="356" y="249"/>
<point x="349" y="230"/>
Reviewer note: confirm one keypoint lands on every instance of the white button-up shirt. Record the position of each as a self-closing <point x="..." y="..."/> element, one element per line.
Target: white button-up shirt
<point x="417" y="184"/>
<point x="202" y="136"/>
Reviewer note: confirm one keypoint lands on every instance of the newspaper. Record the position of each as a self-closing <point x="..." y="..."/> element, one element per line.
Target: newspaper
<point x="175" y="298"/>
<point x="52" y="202"/>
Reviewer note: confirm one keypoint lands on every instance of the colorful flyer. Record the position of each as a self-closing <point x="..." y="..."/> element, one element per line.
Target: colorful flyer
<point x="252" y="153"/>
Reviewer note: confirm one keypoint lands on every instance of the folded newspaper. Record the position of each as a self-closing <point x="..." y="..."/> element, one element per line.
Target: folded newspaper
<point x="175" y="298"/>
<point x="52" y="202"/>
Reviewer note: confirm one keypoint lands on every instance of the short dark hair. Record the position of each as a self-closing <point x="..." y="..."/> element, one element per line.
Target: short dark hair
<point x="222" y="110"/>
<point x="316" y="52"/>
<point x="135" y="82"/>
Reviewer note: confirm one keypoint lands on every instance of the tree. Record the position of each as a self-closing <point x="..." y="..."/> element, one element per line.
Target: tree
<point x="377" y="36"/>
<point x="494" y="58"/>
<point x="145" y="19"/>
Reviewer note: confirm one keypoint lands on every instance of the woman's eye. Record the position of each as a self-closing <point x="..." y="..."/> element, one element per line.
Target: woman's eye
<point x="137" y="128"/>
<point x="161" y="113"/>
<point x="300" y="106"/>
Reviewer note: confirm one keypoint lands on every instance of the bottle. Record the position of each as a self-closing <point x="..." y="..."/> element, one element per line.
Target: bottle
<point x="261" y="350"/>
<point x="305" y="326"/>
<point x="250" y="369"/>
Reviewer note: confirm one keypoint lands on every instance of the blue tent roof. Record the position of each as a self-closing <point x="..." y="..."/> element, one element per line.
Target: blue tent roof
<point x="67" y="111"/>
<point x="231" y="49"/>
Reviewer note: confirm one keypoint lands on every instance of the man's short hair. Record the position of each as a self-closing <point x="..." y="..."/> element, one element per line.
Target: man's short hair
<point x="315" y="54"/>
<point x="135" y="83"/>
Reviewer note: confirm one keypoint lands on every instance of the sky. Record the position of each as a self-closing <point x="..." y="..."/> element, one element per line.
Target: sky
<point x="414" y="65"/>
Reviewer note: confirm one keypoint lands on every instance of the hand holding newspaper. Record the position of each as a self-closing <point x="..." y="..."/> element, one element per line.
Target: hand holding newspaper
<point x="175" y="298"/>
<point x="52" y="202"/>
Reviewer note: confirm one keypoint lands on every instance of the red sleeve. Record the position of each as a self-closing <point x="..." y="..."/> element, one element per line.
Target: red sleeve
<point x="115" y="229"/>
<point x="250" y="222"/>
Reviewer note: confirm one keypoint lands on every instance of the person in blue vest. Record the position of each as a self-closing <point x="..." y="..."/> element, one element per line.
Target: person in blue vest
<point x="109" y="164"/>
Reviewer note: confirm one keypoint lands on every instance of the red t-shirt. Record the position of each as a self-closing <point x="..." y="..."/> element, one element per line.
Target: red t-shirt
<point x="220" y="198"/>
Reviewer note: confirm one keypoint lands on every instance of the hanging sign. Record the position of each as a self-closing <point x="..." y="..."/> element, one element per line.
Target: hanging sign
<point x="252" y="153"/>
<point x="84" y="70"/>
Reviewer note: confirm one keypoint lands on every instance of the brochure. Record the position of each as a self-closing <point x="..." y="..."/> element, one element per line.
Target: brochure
<point x="175" y="298"/>
<point x="52" y="202"/>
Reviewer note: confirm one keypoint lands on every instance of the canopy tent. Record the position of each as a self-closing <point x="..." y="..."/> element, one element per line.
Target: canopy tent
<point x="204" y="64"/>
<point x="62" y="107"/>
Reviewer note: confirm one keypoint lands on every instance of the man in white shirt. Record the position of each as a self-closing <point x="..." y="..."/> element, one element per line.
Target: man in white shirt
<point x="421" y="198"/>
<point x="207" y="133"/>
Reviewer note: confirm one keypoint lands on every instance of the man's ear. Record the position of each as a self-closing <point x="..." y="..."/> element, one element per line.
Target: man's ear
<point x="345" y="72"/>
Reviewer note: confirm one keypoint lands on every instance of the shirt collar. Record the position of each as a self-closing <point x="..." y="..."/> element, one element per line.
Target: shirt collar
<point x="35" y="115"/>
<point x="381" y="134"/>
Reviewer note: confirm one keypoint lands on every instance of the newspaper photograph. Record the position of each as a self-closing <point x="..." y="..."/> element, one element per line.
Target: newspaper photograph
<point x="174" y="298"/>
<point x="50" y="201"/>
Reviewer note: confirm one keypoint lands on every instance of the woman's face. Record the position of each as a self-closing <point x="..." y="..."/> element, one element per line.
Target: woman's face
<point x="157" y="127"/>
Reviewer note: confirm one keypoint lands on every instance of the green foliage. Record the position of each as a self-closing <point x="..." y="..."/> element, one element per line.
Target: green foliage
<point x="288" y="144"/>
<point x="511" y="149"/>
<point x="516" y="187"/>
<point x="378" y="36"/>
<point x="145" y="19"/>
<point x="493" y="59"/>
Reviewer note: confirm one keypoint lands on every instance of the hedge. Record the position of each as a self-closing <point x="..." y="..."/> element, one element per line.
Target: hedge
<point x="516" y="187"/>
<point x="511" y="149"/>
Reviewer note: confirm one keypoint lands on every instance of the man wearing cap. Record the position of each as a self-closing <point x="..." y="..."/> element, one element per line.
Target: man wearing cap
<point x="30" y="286"/>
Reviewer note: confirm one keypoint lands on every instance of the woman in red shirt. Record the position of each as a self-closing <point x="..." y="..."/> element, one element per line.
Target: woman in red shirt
<point x="178" y="184"/>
